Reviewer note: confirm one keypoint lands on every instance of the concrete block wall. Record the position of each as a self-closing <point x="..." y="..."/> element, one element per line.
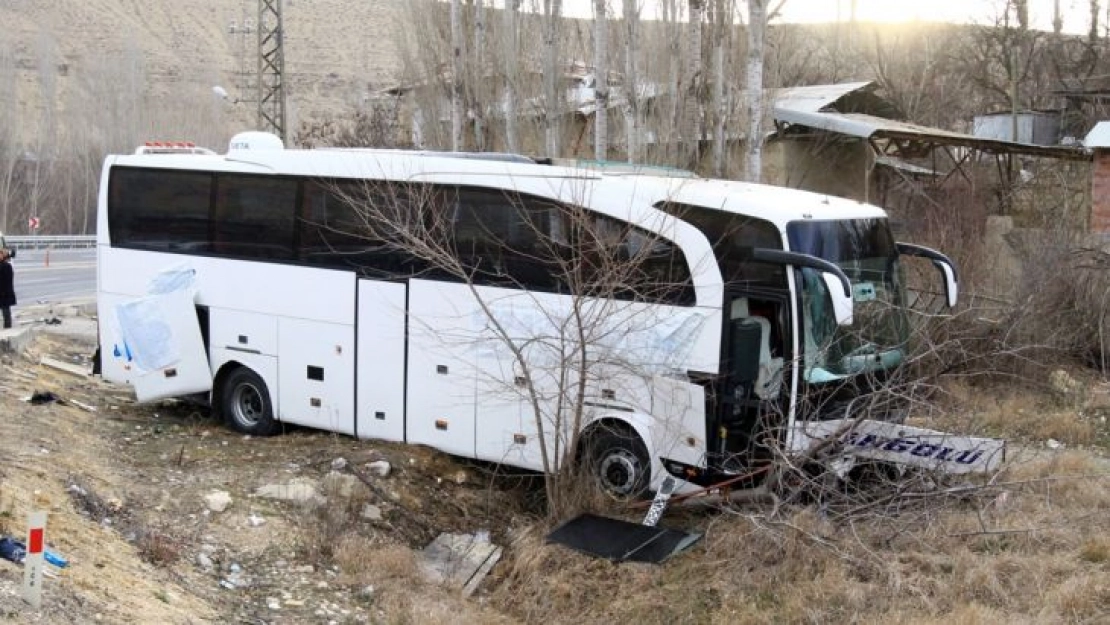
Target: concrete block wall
<point x="1100" y="192"/>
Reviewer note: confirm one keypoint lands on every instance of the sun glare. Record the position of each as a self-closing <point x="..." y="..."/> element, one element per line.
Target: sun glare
<point x="1075" y="13"/>
<point x="884" y="10"/>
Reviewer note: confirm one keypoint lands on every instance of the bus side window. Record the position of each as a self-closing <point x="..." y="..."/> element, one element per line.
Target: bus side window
<point x="254" y="216"/>
<point x="502" y="236"/>
<point x="625" y="262"/>
<point x="158" y="209"/>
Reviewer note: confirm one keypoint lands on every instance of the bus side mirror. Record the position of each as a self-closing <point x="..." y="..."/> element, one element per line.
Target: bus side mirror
<point x="837" y="284"/>
<point x="951" y="287"/>
<point x="841" y="302"/>
<point x="942" y="263"/>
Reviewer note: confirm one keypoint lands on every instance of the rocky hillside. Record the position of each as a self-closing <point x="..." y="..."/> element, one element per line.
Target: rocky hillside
<point x="177" y="50"/>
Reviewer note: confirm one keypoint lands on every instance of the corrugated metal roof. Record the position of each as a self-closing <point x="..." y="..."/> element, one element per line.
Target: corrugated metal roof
<point x="813" y="98"/>
<point x="812" y="107"/>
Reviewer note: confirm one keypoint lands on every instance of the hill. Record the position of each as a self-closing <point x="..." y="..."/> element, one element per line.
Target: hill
<point x="94" y="53"/>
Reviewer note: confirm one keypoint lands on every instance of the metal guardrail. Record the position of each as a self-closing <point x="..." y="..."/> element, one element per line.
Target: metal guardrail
<point x="60" y="241"/>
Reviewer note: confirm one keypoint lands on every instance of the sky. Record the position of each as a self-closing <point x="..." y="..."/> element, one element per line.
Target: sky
<point x="1076" y="12"/>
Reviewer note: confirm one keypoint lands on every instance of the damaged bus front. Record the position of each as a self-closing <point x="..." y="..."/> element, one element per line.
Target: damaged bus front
<point x="797" y="371"/>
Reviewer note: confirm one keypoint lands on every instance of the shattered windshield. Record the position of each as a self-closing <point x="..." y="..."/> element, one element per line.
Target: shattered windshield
<point x="864" y="249"/>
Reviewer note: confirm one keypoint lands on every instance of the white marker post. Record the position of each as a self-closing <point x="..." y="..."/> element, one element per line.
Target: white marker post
<point x="32" y="562"/>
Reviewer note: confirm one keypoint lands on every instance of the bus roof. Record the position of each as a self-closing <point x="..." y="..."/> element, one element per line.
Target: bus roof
<point x="254" y="152"/>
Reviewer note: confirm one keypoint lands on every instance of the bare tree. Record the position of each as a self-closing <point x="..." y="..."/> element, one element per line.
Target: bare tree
<point x="552" y="76"/>
<point x="10" y="151"/>
<point x="721" y="90"/>
<point x="44" y="155"/>
<point x="561" y="351"/>
<point x="511" y="69"/>
<point x="377" y="124"/>
<point x="668" y="128"/>
<point x="631" y="80"/>
<point x="477" y="78"/>
<point x="601" y="81"/>
<point x="757" y="28"/>
<point x="456" y="76"/>
<point x="1092" y="32"/>
<point x="692" y="110"/>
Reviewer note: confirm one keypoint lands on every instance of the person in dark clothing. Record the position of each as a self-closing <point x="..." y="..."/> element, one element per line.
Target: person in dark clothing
<point x="7" y="287"/>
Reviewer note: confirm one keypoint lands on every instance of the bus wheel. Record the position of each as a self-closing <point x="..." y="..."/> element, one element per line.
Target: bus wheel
<point x="618" y="462"/>
<point x="246" y="403"/>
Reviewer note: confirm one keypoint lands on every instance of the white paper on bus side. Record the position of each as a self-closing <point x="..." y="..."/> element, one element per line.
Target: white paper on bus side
<point x="147" y="331"/>
<point x="181" y="277"/>
<point x="164" y="337"/>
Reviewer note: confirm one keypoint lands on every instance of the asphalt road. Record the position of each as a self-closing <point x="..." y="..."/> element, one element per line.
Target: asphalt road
<point x="66" y="275"/>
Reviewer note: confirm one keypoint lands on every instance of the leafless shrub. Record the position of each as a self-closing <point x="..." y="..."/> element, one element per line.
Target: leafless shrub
<point x="375" y="125"/>
<point x="158" y="547"/>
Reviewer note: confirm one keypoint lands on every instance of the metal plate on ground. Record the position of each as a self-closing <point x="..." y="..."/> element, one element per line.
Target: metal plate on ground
<point x="619" y="540"/>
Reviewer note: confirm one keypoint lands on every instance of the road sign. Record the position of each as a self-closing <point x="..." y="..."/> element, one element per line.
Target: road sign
<point x="33" y="223"/>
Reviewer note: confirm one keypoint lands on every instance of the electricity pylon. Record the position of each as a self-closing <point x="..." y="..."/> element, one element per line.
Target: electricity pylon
<point x="271" y="69"/>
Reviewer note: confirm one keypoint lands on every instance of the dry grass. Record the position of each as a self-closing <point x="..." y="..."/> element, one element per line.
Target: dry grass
<point x="390" y="580"/>
<point x="1028" y="546"/>
<point x="1019" y="415"/>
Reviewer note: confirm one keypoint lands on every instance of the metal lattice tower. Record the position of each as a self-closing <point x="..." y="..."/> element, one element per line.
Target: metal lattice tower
<point x="271" y="69"/>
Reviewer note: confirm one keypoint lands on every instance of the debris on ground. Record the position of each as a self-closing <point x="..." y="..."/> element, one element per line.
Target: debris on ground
<point x="459" y="561"/>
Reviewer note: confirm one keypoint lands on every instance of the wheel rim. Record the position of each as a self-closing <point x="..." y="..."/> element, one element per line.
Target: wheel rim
<point x="247" y="404"/>
<point x="618" y="472"/>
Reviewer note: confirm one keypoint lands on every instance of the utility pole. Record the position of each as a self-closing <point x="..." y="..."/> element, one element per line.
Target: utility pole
<point x="271" y="69"/>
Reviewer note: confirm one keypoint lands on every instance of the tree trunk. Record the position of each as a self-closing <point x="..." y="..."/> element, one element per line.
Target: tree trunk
<point x="669" y="137"/>
<point x="553" y="100"/>
<point x="9" y="132"/>
<point x="692" y="111"/>
<point x="719" y="105"/>
<point x="512" y="38"/>
<point x="601" y="82"/>
<point x="1021" y="8"/>
<point x="757" y="28"/>
<point x="456" y="76"/>
<point x="477" y="82"/>
<point x="1092" y="34"/>
<point x="631" y="81"/>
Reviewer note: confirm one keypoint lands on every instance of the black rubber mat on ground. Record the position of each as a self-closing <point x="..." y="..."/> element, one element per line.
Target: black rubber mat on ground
<point x="619" y="540"/>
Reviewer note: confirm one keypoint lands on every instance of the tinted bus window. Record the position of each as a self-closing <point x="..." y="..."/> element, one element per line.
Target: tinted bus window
<point x="732" y="236"/>
<point x="253" y="216"/>
<point x="509" y="239"/>
<point x="159" y="209"/>
<point x="339" y="228"/>
<point x="619" y="260"/>
<point x="503" y="237"/>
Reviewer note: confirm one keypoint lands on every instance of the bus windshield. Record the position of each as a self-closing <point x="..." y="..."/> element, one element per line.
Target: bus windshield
<point x="876" y="340"/>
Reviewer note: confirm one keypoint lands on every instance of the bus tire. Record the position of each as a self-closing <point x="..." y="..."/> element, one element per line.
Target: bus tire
<point x="618" y="462"/>
<point x="245" y="402"/>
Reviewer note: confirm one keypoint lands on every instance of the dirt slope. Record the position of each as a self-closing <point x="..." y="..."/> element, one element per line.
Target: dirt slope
<point x="125" y="490"/>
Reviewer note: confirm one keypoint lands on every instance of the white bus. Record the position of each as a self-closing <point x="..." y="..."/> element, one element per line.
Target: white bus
<point x="245" y="276"/>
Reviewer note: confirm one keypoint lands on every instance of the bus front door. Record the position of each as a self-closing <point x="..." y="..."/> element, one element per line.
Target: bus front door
<point x="751" y="387"/>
